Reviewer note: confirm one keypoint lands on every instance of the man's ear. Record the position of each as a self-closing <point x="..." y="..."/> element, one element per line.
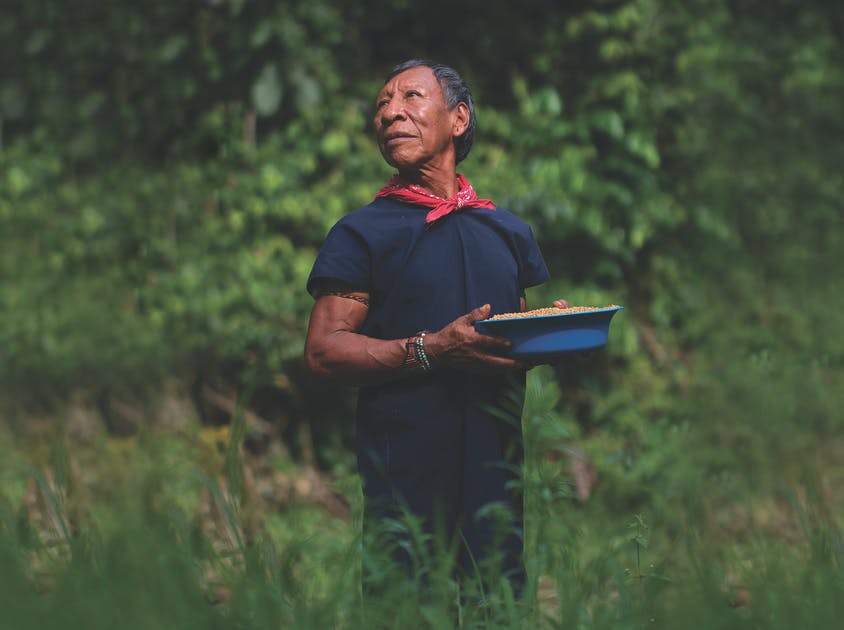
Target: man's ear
<point x="461" y="119"/>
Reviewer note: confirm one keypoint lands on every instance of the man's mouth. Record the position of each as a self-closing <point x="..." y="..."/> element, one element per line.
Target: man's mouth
<point x="395" y="138"/>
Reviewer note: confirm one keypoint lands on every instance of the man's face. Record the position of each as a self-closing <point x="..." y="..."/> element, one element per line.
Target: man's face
<point x="414" y="128"/>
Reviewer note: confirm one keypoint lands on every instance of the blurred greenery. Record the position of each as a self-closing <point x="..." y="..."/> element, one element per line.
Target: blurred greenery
<point x="169" y="170"/>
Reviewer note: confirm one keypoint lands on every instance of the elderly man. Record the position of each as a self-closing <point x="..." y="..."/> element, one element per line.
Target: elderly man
<point x="398" y="285"/>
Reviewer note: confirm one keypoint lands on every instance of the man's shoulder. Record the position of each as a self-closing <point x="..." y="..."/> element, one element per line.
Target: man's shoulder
<point x="508" y="215"/>
<point x="376" y="207"/>
<point x="511" y="220"/>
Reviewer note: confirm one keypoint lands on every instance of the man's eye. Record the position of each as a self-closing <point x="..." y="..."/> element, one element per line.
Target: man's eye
<point x="413" y="93"/>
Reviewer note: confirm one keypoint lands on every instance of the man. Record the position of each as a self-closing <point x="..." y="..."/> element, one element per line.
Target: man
<point x="398" y="285"/>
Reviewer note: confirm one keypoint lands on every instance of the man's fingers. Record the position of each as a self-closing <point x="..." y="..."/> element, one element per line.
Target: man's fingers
<point x="478" y="314"/>
<point x="561" y="303"/>
<point x="499" y="342"/>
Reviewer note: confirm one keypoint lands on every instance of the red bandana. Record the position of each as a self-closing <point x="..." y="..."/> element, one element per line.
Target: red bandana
<point x="416" y="195"/>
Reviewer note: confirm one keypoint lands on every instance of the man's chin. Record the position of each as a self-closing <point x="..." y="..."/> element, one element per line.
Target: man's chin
<point x="401" y="164"/>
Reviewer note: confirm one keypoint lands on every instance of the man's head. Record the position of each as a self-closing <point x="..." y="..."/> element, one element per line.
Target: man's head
<point x="456" y="95"/>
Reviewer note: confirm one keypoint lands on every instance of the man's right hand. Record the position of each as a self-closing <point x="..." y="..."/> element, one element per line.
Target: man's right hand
<point x="461" y="346"/>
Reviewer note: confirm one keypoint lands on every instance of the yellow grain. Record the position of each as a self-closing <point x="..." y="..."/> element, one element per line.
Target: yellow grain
<point x="552" y="310"/>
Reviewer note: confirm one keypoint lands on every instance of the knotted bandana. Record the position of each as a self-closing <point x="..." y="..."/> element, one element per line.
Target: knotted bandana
<point x="397" y="188"/>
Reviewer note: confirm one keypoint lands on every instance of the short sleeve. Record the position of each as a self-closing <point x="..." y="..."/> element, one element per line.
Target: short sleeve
<point x="533" y="269"/>
<point x="344" y="257"/>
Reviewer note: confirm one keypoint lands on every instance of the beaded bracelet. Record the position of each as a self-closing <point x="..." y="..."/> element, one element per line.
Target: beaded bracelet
<point x="416" y="356"/>
<point x="419" y="341"/>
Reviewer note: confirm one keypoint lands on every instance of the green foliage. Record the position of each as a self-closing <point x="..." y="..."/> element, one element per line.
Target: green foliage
<point x="168" y="172"/>
<point x="164" y="189"/>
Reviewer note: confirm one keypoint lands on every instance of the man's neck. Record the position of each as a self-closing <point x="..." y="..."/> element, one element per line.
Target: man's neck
<point x="439" y="182"/>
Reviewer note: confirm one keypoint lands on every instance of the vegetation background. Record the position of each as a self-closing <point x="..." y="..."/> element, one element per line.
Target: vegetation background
<point x="167" y="174"/>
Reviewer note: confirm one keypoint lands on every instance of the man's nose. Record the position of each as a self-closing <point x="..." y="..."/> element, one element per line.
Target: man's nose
<point x="393" y="110"/>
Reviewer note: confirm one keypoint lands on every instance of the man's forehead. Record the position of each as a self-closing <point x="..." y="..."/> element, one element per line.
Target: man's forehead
<point x="418" y="76"/>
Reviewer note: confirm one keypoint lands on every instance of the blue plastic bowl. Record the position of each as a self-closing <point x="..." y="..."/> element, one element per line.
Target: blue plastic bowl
<point x="548" y="335"/>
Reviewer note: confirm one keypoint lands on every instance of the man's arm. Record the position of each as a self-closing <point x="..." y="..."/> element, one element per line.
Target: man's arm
<point x="335" y="349"/>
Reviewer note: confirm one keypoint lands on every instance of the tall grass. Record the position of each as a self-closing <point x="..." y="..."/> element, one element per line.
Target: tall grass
<point x="156" y="532"/>
<point x="142" y="574"/>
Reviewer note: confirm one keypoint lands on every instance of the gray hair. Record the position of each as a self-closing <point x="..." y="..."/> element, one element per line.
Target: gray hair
<point x="455" y="91"/>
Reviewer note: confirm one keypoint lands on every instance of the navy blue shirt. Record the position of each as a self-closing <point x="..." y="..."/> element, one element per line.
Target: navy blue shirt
<point x="422" y="279"/>
<point x="435" y="443"/>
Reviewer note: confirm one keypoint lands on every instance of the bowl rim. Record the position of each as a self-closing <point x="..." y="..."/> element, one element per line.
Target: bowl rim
<point x="596" y="311"/>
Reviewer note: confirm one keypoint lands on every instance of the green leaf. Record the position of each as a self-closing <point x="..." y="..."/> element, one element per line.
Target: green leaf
<point x="267" y="91"/>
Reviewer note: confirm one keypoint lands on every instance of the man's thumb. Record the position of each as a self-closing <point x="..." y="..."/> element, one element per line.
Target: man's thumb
<point x="482" y="312"/>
